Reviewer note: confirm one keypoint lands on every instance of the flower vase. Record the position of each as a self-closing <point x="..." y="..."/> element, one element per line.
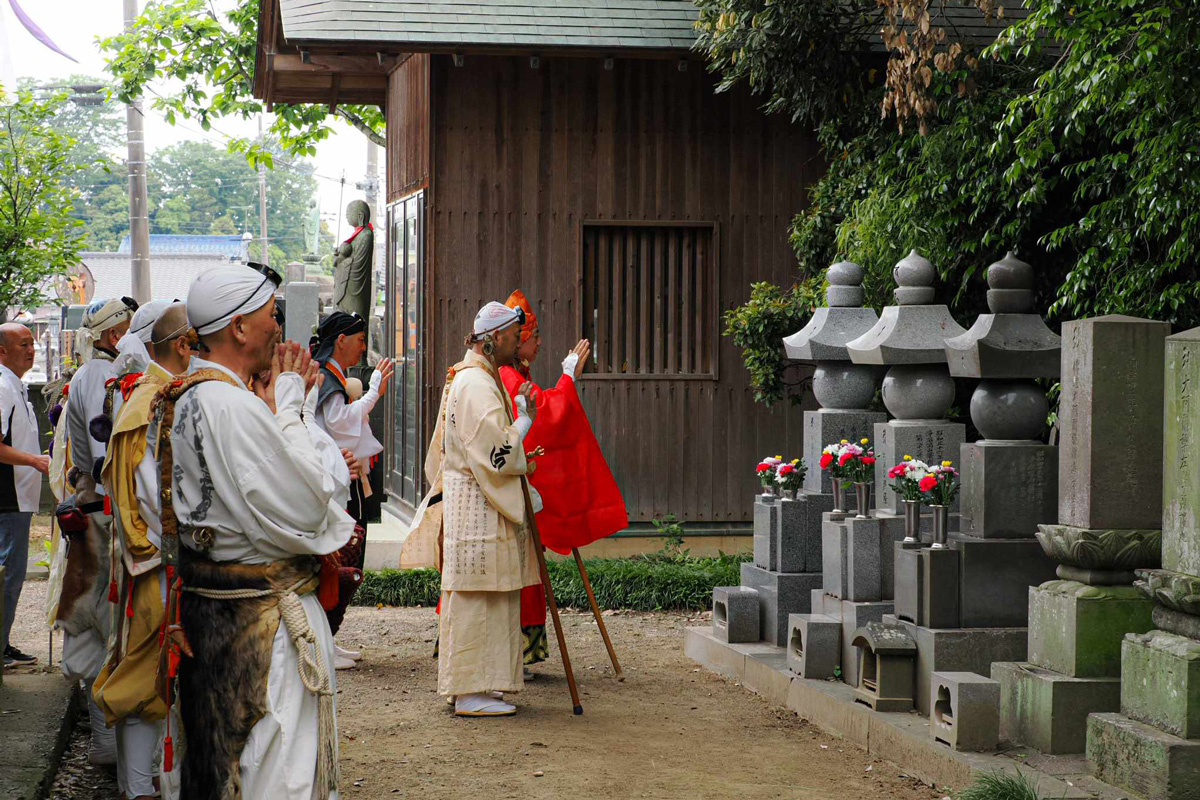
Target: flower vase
<point x="862" y="499"/>
<point x="789" y="494"/>
<point x="941" y="524"/>
<point x="839" y="496"/>
<point x="912" y="520"/>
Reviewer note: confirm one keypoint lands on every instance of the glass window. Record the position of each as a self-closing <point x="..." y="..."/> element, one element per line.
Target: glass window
<point x="406" y="293"/>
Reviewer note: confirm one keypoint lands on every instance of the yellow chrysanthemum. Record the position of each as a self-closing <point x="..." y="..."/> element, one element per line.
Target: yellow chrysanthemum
<point x="844" y="441"/>
<point x="947" y="463"/>
<point x="864" y="441"/>
<point x="780" y="458"/>
<point x="795" y="461"/>
<point x="908" y="458"/>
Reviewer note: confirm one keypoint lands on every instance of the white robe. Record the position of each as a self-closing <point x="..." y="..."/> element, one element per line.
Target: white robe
<point x="349" y="423"/>
<point x="258" y="483"/>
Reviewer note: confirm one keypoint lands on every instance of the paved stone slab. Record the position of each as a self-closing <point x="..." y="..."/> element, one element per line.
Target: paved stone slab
<point x="1160" y="682"/>
<point x="1008" y="488"/>
<point x="38" y="709"/>
<point x="1142" y="759"/>
<point x="1111" y="405"/>
<point x="966" y="711"/>
<point x="1078" y="629"/>
<point x="1048" y="710"/>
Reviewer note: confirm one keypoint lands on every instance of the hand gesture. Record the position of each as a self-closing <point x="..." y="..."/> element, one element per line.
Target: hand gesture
<point x="263" y="387"/>
<point x="384" y="369"/>
<point x="583" y="349"/>
<point x="41" y="463"/>
<point x="526" y="391"/>
<point x="294" y="357"/>
<point x="351" y="462"/>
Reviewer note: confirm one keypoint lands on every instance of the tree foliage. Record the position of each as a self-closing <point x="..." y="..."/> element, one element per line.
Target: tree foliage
<point x="38" y="236"/>
<point x="1077" y="147"/>
<point x="207" y="60"/>
<point x="756" y="327"/>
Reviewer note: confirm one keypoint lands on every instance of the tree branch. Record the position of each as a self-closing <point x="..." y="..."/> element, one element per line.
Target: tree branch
<point x="363" y="127"/>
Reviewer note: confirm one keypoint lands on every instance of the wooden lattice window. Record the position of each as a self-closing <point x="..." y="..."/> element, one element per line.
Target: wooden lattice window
<point x="649" y="299"/>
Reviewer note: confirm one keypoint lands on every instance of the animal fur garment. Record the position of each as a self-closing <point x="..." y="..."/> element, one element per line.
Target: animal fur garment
<point x="223" y="686"/>
<point x="85" y="580"/>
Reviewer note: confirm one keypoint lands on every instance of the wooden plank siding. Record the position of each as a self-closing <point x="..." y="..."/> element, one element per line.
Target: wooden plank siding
<point x="523" y="157"/>
<point x="408" y="127"/>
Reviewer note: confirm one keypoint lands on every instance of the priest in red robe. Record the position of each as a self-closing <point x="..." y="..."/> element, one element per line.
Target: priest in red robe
<point x="580" y="499"/>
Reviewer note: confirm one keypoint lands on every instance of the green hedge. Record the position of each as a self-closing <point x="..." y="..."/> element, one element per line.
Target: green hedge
<point x="641" y="583"/>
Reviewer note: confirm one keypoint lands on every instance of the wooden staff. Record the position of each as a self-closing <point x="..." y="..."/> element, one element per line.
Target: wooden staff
<point x="587" y="585"/>
<point x="541" y="556"/>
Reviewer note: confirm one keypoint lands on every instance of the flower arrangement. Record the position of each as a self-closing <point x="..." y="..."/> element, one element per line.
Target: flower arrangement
<point x="940" y="484"/>
<point x="906" y="478"/>
<point x="857" y="461"/>
<point x="791" y="475"/>
<point x="766" y="470"/>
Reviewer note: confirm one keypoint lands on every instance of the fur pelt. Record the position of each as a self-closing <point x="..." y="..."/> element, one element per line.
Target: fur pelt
<point x="223" y="685"/>
<point x="86" y="577"/>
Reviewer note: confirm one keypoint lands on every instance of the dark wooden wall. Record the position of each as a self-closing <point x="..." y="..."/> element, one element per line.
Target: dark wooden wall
<point x="522" y="156"/>
<point x="408" y="127"/>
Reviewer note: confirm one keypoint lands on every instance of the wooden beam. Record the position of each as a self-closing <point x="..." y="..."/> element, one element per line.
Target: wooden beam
<point x="308" y="61"/>
<point x="333" y="92"/>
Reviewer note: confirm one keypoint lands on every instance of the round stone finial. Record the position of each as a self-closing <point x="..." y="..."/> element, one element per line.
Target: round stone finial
<point x="914" y="277"/>
<point x="845" y="285"/>
<point x="1010" y="286"/>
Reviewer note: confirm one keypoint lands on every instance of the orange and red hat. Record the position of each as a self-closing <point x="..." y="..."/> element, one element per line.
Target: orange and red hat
<point x="518" y="300"/>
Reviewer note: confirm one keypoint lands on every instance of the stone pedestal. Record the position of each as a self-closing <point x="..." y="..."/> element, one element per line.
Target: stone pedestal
<point x="735" y="614"/>
<point x="301" y="311"/>
<point x="1009" y="488"/>
<point x="928" y="441"/>
<point x="966" y="711"/>
<point x="1047" y="710"/>
<point x="1077" y="630"/>
<point x="995" y="575"/>
<point x="814" y="646"/>
<point x="825" y="426"/>
<point x="798" y="545"/>
<point x="1143" y="759"/>
<point x="1160" y="682"/>
<point x="780" y="594"/>
<point x="857" y="556"/>
<point x="766" y="531"/>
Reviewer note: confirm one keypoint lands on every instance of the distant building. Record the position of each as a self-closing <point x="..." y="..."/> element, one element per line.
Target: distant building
<point x="172" y="244"/>
<point x="170" y="273"/>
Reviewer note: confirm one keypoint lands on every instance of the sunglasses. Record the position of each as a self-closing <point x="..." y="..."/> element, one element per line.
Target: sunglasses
<point x="268" y="273"/>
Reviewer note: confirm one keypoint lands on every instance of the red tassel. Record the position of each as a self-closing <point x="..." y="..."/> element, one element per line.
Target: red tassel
<point x="168" y="755"/>
<point x="114" y="596"/>
<point x="107" y="506"/>
<point x="129" y="603"/>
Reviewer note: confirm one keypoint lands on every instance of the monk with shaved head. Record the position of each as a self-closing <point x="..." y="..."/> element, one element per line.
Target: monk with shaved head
<point x="21" y="468"/>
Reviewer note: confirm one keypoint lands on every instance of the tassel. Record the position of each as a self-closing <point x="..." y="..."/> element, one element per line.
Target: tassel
<point x="101" y="428"/>
<point x="114" y="596"/>
<point x="129" y="604"/>
<point x="168" y="755"/>
<point x="107" y="506"/>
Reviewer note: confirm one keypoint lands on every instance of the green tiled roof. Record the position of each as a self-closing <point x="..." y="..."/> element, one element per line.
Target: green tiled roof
<point x="617" y="24"/>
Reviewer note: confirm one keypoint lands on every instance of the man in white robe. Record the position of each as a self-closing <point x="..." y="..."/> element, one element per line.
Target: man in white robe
<point x="478" y="460"/>
<point x="254" y="502"/>
<point x="85" y="616"/>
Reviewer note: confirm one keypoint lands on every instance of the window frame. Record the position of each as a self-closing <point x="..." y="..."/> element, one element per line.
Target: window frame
<point x="714" y="375"/>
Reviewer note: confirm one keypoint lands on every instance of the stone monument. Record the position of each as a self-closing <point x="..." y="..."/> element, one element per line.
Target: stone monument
<point x="963" y="601"/>
<point x="787" y="569"/>
<point x="1152" y="746"/>
<point x="1108" y="516"/>
<point x="352" y="263"/>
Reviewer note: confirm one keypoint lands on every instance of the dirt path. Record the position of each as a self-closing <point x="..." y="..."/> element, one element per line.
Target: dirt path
<point x="670" y="731"/>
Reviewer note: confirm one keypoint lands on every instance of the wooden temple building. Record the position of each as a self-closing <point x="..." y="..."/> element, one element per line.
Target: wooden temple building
<point x="577" y="151"/>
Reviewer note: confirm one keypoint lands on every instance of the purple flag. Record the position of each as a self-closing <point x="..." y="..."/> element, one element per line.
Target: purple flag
<point x="37" y="32"/>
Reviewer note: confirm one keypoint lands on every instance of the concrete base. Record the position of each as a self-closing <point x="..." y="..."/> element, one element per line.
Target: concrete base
<point x="735" y="614"/>
<point x="1008" y="488"/>
<point x="766" y="532"/>
<point x="959" y="650"/>
<point x="1048" y="711"/>
<point x="995" y="576"/>
<point x="1077" y="630"/>
<point x="1160" y="682"/>
<point x="966" y="711"/>
<point x="857" y="556"/>
<point x="931" y="441"/>
<point x="780" y="595"/>
<point x="814" y="645"/>
<point x="1143" y="760"/>
<point x="903" y="739"/>
<point x="798" y="536"/>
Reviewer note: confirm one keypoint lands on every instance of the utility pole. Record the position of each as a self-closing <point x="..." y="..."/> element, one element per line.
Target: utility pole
<point x="139" y="220"/>
<point x="262" y="196"/>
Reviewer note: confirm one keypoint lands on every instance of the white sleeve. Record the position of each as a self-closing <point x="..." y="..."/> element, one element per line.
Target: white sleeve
<point x="346" y="422"/>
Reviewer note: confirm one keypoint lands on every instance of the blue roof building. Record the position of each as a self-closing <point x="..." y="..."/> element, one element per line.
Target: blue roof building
<point x="184" y="244"/>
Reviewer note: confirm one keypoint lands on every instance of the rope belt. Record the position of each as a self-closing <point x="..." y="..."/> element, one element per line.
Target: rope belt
<point x="313" y="669"/>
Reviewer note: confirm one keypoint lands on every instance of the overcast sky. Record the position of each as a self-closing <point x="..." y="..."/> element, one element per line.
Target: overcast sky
<point x="74" y="26"/>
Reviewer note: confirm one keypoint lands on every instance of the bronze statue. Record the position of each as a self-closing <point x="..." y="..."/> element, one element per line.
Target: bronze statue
<point x="352" y="265"/>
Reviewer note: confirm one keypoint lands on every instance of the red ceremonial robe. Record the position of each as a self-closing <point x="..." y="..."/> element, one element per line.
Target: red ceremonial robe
<point x="580" y="499"/>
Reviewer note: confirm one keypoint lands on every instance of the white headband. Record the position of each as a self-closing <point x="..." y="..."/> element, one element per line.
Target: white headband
<point x="493" y="317"/>
<point x="218" y="295"/>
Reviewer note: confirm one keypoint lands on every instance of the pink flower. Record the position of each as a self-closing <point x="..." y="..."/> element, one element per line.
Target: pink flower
<point x="764" y="468"/>
<point x="826" y="460"/>
<point x="928" y="482"/>
<point x="843" y="458"/>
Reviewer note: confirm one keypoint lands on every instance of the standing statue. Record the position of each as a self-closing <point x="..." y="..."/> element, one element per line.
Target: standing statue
<point x="352" y="266"/>
<point x="312" y="227"/>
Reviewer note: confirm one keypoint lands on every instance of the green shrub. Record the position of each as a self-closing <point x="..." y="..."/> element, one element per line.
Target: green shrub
<point x="655" y="582"/>
<point x="999" y="786"/>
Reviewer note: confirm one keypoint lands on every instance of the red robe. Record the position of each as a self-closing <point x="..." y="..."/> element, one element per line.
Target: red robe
<point x="580" y="499"/>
